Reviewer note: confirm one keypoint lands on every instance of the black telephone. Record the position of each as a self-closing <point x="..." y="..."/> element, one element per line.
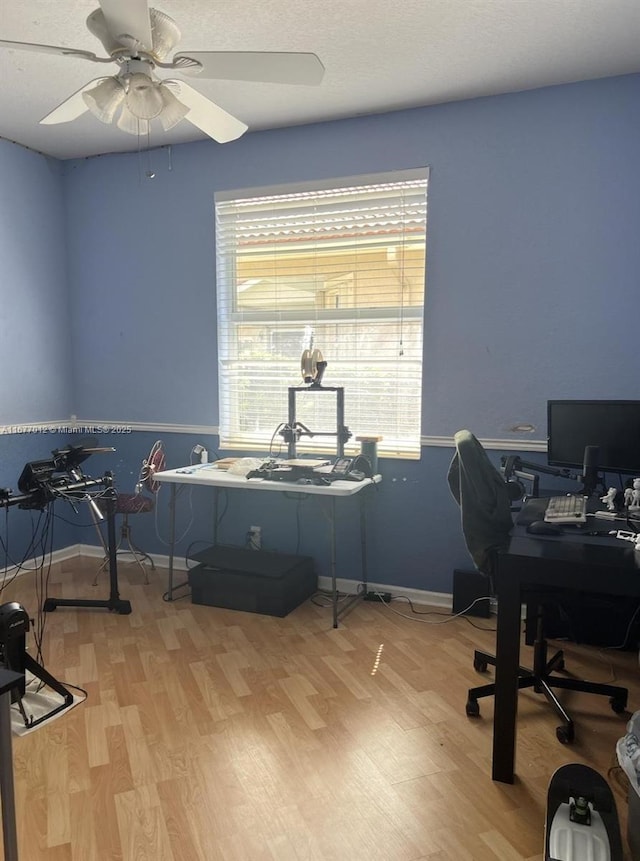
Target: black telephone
<point x="352" y="468"/>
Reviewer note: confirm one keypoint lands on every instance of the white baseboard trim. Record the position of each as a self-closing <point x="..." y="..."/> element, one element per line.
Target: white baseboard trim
<point x="417" y="596"/>
<point x="95" y="551"/>
<point x="31" y="565"/>
<point x="442" y="600"/>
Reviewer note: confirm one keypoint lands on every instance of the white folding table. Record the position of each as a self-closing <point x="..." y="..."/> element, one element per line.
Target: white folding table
<point x="208" y="475"/>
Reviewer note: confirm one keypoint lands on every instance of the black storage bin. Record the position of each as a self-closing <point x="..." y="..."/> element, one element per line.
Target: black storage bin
<point x="256" y="581"/>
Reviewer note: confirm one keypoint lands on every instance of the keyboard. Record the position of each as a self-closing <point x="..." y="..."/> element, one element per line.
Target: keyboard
<point x="566" y="509"/>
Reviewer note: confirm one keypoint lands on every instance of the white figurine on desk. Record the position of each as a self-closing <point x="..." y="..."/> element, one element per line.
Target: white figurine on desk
<point x="610" y="499"/>
<point x="635" y="505"/>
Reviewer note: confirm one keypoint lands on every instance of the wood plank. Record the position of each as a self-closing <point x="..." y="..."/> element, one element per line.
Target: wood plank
<point x="214" y="735"/>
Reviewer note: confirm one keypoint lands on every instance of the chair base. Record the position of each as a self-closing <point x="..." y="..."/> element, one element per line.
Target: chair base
<point x="139" y="556"/>
<point x="540" y="680"/>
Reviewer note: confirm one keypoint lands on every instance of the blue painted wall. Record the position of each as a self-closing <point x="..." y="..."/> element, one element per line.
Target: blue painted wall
<point x="533" y="260"/>
<point x="36" y="382"/>
<point x="36" y="376"/>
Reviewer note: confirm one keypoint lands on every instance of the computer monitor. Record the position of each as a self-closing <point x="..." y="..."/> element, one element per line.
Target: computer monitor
<point x="611" y="426"/>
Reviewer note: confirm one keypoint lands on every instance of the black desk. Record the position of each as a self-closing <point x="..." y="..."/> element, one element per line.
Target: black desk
<point x="573" y="560"/>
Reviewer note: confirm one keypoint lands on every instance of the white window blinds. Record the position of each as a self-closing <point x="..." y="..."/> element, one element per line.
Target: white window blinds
<point x="341" y="269"/>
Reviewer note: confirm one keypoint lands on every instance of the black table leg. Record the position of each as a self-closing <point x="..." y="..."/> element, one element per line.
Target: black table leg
<point x="506" y="690"/>
<point x="8" y="681"/>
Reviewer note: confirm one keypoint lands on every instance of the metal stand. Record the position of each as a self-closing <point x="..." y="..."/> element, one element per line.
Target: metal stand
<point x="39" y="672"/>
<point x="133" y="550"/>
<point x="172" y="539"/>
<point x="14" y="624"/>
<point x="39" y="492"/>
<point x="113" y="603"/>
<point x="354" y="599"/>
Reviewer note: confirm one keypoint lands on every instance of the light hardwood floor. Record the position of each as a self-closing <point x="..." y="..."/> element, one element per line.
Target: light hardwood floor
<point x="214" y="735"/>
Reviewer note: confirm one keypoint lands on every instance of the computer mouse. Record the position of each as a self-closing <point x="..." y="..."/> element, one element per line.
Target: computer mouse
<point x="541" y="527"/>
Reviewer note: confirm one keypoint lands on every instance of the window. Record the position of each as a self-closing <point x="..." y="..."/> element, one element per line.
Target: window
<point x="338" y="267"/>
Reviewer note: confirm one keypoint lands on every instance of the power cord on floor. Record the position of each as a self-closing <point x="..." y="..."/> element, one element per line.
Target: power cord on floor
<point x="449" y="616"/>
<point x="326" y="597"/>
<point x="165" y="596"/>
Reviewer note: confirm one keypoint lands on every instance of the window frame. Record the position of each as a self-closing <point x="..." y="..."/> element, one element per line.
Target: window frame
<point x="230" y="315"/>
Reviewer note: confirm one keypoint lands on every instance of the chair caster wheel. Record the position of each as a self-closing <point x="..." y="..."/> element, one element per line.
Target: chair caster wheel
<point x="618" y="705"/>
<point x="479" y="666"/>
<point x="565" y="734"/>
<point x="472" y="708"/>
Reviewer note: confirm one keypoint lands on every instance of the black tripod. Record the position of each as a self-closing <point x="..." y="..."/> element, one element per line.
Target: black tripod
<point x="14" y="624"/>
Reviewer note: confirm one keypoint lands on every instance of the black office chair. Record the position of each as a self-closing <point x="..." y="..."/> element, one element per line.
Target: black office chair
<point x="485" y="500"/>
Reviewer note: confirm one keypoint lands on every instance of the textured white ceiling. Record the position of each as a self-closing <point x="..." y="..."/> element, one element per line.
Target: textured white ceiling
<point x="379" y="56"/>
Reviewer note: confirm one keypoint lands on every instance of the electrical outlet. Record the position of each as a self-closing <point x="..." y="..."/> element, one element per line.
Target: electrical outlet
<point x="384" y="597"/>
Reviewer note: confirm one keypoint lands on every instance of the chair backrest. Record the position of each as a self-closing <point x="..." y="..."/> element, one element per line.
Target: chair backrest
<point x="484" y="500"/>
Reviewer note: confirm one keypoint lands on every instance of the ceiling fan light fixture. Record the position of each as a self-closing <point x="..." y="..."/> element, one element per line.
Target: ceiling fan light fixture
<point x="132" y="125"/>
<point x="143" y="97"/>
<point x="104" y="99"/>
<point x="139" y="40"/>
<point x="173" y="110"/>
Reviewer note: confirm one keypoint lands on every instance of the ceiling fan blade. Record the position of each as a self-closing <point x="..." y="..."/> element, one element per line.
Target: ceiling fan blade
<point x="72" y="107"/>
<point x="128" y="18"/>
<point x="271" y="67"/>
<point x="207" y="116"/>
<point x="54" y="49"/>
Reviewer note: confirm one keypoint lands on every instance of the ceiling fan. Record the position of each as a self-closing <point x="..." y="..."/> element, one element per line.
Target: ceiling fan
<point x="139" y="39"/>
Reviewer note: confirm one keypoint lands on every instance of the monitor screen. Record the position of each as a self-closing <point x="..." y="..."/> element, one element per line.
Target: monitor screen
<point x="612" y="426"/>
